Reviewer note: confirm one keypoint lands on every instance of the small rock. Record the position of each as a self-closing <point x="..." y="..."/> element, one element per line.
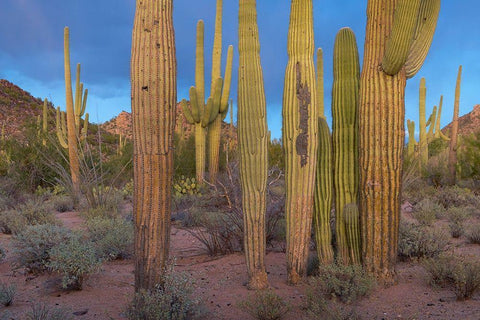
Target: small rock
<point x="80" y="312"/>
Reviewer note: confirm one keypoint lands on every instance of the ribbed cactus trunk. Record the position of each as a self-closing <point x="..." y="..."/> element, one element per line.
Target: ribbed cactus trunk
<point x="323" y="194"/>
<point x="71" y="129"/>
<point x="299" y="137"/>
<point x="397" y="40"/>
<point x="252" y="142"/>
<point x="346" y="84"/>
<point x="452" y="154"/>
<point x="422" y="124"/>
<point x="411" y="140"/>
<point x="351" y="218"/>
<point x="153" y="79"/>
<point x="438" y="123"/>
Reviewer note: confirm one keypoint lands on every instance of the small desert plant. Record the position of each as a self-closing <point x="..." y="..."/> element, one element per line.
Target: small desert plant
<point x="40" y="311"/>
<point x="319" y="308"/>
<point x="2" y="253"/>
<point x="103" y="201"/>
<point x="185" y="185"/>
<point x="346" y="282"/>
<point x="473" y="233"/>
<point x="418" y="241"/>
<point x="265" y="305"/>
<point x="37" y="211"/>
<point x="127" y="190"/>
<point x="461" y="273"/>
<point x="7" y="293"/>
<point x="62" y="203"/>
<point x="427" y="210"/>
<point x="12" y="222"/>
<point x="112" y="238"/>
<point x="456" y="219"/>
<point x="32" y="246"/>
<point x="173" y="300"/>
<point x="456" y="196"/>
<point x="436" y="169"/>
<point x="75" y="259"/>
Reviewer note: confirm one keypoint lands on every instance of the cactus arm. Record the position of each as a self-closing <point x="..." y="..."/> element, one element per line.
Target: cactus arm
<point x="216" y="98"/>
<point x="422" y="125"/>
<point x="217" y="46"/>
<point x="320" y="85"/>
<point x="227" y="80"/>
<point x="401" y="38"/>
<point x="196" y="108"/>
<point x="438" y="130"/>
<point x="187" y="112"/>
<point x="207" y="113"/>
<point x="200" y="68"/>
<point x="60" y="129"/>
<point x="452" y="154"/>
<point x="352" y="226"/>
<point x="85" y="127"/>
<point x="84" y="102"/>
<point x="431" y="123"/>
<point x="425" y="29"/>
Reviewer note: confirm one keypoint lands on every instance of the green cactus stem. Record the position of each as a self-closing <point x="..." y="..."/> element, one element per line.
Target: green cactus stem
<point x="382" y="121"/>
<point x="299" y="137"/>
<point x="431" y="125"/>
<point x="346" y="84"/>
<point x="323" y="195"/>
<point x="252" y="142"/>
<point x="452" y="153"/>
<point x="422" y="142"/>
<point x="438" y="131"/>
<point x="352" y="229"/>
<point x="412" y="143"/>
<point x="320" y="84"/>
<point x="154" y="94"/>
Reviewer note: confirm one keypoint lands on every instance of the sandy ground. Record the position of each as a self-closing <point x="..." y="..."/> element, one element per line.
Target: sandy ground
<point x="221" y="283"/>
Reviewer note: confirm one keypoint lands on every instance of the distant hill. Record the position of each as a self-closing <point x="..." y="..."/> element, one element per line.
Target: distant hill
<point x="468" y="123"/>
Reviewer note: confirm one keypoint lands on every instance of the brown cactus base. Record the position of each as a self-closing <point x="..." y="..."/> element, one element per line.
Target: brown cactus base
<point x="258" y="281"/>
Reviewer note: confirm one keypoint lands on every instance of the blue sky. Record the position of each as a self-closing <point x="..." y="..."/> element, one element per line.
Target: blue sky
<point x="31" y="49"/>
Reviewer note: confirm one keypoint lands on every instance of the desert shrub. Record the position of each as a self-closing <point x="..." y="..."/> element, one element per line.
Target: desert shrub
<point x="473" y="233"/>
<point x="2" y="253"/>
<point x="173" y="300"/>
<point x="346" y="282"/>
<point x="75" y="259"/>
<point x="436" y="169"/>
<point x="427" y="210"/>
<point x="456" y="196"/>
<point x="418" y="191"/>
<point x="40" y="311"/>
<point x="36" y="211"/>
<point x="62" y="203"/>
<point x="103" y="201"/>
<point x="265" y="305"/>
<point x="416" y="241"/>
<point x="468" y="157"/>
<point x="461" y="273"/>
<point x="319" y="308"/>
<point x="32" y="247"/>
<point x="456" y="220"/>
<point x="112" y="238"/>
<point x="12" y="222"/>
<point x="7" y="293"/>
<point x="127" y="190"/>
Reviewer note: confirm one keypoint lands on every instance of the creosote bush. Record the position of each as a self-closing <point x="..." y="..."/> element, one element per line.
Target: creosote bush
<point x="473" y="233"/>
<point x="427" y="210"/>
<point x="111" y="237"/>
<point x="456" y="219"/>
<point x="173" y="300"/>
<point x="7" y="293"/>
<point x="320" y="308"/>
<point x="456" y="196"/>
<point x="417" y="241"/>
<point x="75" y="259"/>
<point x="33" y="246"/>
<point x="265" y="305"/>
<point x="40" y="311"/>
<point x="2" y="253"/>
<point x="461" y="273"/>
<point x="345" y="282"/>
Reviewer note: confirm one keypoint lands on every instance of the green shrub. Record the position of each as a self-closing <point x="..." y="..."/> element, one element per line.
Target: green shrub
<point x="456" y="219"/>
<point x="12" y="222"/>
<point x="426" y="211"/>
<point x="36" y="211"/>
<point x="62" y="203"/>
<point x="419" y="191"/>
<point x="436" y="169"/>
<point x="112" y="238"/>
<point x="346" y="282"/>
<point x="174" y="300"/>
<point x="185" y="185"/>
<point x="40" y="311"/>
<point x="473" y="234"/>
<point x="33" y="245"/>
<point x="265" y="305"/>
<point x="456" y="196"/>
<point x="416" y="241"/>
<point x="7" y="293"/>
<point x="461" y="273"/>
<point x="127" y="190"/>
<point x="103" y="202"/>
<point x="75" y="259"/>
<point x="468" y="157"/>
<point x="319" y="308"/>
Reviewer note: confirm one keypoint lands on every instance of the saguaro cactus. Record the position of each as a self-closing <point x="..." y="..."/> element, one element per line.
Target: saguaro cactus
<point x="398" y="37"/>
<point x="252" y="143"/>
<point x="351" y="218"/>
<point x="438" y="131"/>
<point x="422" y="125"/>
<point x="452" y="154"/>
<point x="346" y="84"/>
<point x="153" y="79"/>
<point x="411" y="140"/>
<point x="299" y="136"/>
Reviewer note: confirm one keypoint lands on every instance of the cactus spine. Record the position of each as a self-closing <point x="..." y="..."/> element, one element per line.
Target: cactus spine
<point x="411" y="140"/>
<point x="352" y="231"/>
<point x="153" y="80"/>
<point x="452" y="154"/>
<point x="299" y="136"/>
<point x="346" y="83"/>
<point x="252" y="142"/>
<point x="381" y="121"/>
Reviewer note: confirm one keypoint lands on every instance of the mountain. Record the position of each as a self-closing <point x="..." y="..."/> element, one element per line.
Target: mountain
<point x="468" y="123"/>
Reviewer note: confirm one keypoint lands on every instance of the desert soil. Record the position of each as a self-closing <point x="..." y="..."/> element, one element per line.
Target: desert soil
<point x="221" y="283"/>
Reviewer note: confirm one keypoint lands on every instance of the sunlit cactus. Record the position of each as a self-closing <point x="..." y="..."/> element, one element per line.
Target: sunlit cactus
<point x="452" y="154"/>
<point x="412" y="143"/>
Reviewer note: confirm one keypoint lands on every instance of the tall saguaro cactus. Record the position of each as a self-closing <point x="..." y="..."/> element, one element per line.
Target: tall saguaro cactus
<point x="438" y="132"/>
<point x="346" y="84"/>
<point x="411" y="140"/>
<point x="422" y="124"/>
<point x="153" y="80"/>
<point x="452" y="154"/>
<point x="252" y="142"/>
<point x="398" y="37"/>
<point x="299" y="136"/>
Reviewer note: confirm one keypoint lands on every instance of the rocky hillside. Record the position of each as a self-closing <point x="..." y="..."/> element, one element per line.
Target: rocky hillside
<point x="18" y="107"/>
<point x="468" y="123"/>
